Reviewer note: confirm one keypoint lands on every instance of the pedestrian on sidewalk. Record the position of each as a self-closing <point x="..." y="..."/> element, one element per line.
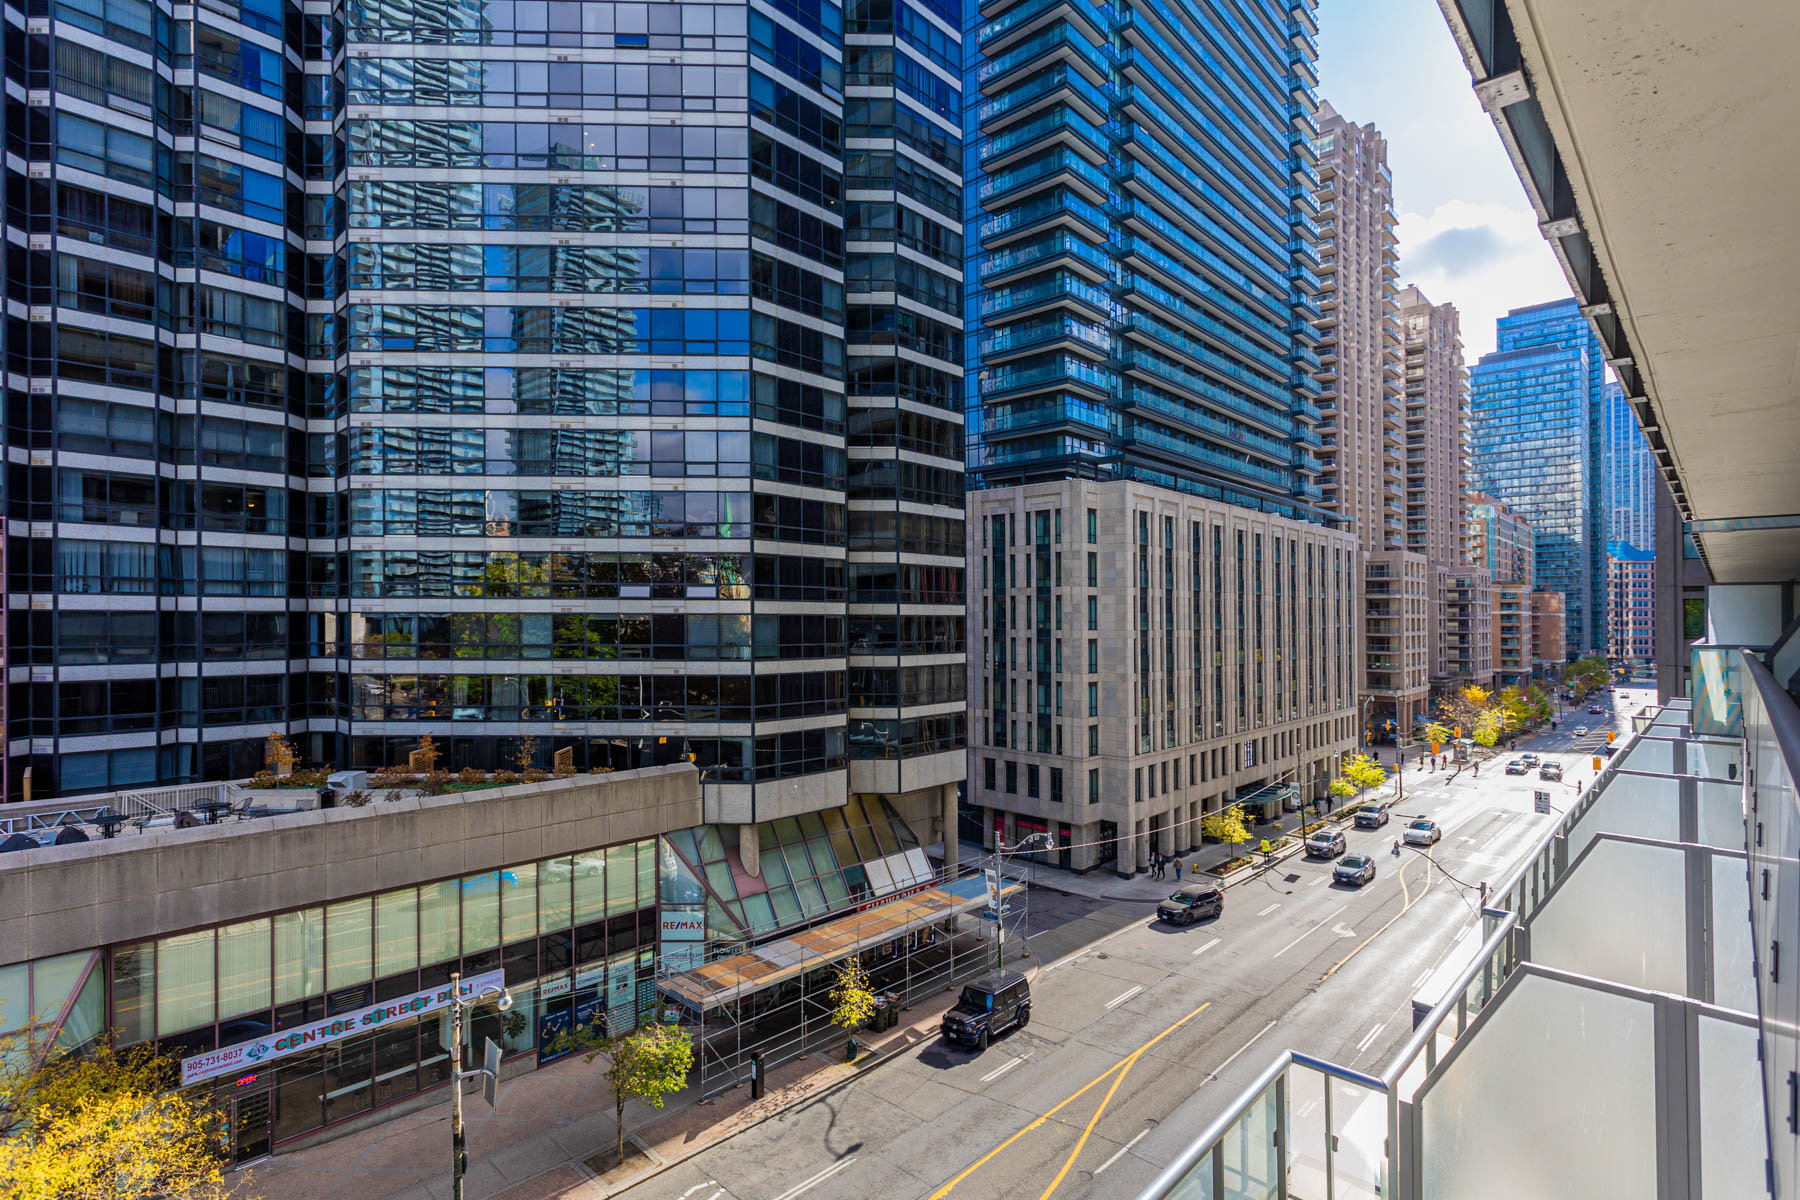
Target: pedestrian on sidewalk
<point x="1178" y="868"/>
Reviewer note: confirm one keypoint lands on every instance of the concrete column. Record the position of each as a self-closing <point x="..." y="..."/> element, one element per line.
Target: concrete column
<point x="750" y="850"/>
<point x="952" y="831"/>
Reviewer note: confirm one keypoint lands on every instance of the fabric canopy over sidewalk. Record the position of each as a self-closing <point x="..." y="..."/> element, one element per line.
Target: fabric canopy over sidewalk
<point x="731" y="979"/>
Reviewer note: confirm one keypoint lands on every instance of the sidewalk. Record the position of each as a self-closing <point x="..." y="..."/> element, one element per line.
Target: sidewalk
<point x="555" y="1126"/>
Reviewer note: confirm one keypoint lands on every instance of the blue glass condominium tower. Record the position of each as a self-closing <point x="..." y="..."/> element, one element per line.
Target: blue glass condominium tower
<point x="1629" y="473"/>
<point x="1537" y="404"/>
<point x="492" y="371"/>
<point x="1142" y="406"/>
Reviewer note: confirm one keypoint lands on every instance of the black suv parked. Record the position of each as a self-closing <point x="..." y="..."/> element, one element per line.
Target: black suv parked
<point x="989" y="1005"/>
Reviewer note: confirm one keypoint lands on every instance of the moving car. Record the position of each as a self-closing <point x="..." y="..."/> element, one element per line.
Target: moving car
<point x="1595" y="709"/>
<point x="1356" y="869"/>
<point x="1530" y="760"/>
<point x="1372" y="817"/>
<point x="1581" y="731"/>
<point x="1517" y="767"/>
<point x="995" y="1002"/>
<point x="1423" y="832"/>
<point x="1192" y="903"/>
<point x="1551" y="771"/>
<point x="1327" y="843"/>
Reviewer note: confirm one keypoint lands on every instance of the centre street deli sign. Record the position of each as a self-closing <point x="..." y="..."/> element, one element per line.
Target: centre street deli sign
<point x="245" y="1055"/>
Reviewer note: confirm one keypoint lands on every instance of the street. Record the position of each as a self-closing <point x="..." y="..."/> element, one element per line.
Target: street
<point x="1141" y="1033"/>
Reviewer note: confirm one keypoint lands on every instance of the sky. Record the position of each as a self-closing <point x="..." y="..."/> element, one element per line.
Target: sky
<point x="1467" y="234"/>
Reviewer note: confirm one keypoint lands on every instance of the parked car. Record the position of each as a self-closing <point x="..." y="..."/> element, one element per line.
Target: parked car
<point x="1356" y="869"/>
<point x="1372" y="817"/>
<point x="1517" y="767"/>
<point x="1581" y="731"/>
<point x="1327" y="843"/>
<point x="995" y="1002"/>
<point x="1422" y="832"/>
<point x="1194" y="902"/>
<point x="1530" y="760"/>
<point x="1551" y="771"/>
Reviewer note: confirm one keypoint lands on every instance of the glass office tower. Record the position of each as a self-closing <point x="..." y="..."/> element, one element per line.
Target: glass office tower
<point x="1538" y="409"/>
<point x="1629" y="473"/>
<point x="392" y="369"/>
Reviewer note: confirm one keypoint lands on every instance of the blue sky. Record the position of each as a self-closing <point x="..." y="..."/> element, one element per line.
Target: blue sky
<point x="1467" y="233"/>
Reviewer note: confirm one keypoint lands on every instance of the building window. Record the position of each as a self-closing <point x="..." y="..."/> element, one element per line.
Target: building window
<point x="1012" y="778"/>
<point x="1094" y="785"/>
<point x="1093" y="739"/>
<point x="1093" y="527"/>
<point x="1031" y="781"/>
<point x="1093" y="656"/>
<point x="1093" y="612"/>
<point x="1093" y="699"/>
<point x="987" y="772"/>
<point x="1056" y="785"/>
<point x="1093" y="569"/>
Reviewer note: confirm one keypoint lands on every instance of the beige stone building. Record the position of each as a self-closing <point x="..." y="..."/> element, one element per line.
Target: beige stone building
<point x="1365" y="474"/>
<point x="1500" y="541"/>
<point x="1147" y="656"/>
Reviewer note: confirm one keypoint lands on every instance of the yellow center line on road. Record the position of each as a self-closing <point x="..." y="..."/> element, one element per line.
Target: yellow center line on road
<point x="1407" y="902"/>
<point x="1119" y="1067"/>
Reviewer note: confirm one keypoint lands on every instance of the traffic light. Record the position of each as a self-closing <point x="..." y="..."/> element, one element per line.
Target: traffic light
<point x="1457" y="731"/>
<point x="1596" y="762"/>
<point x="1612" y="735"/>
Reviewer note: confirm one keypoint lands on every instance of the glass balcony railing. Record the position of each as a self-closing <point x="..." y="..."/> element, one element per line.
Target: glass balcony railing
<point x="1043" y="208"/>
<point x="1037" y="87"/>
<point x="1057" y="245"/>
<point x="1013" y="18"/>
<point x="1058" y="39"/>
<point x="1060" y="119"/>
<point x="1045" y="414"/>
<point x="1060" y="369"/>
<point x="1197" y="416"/>
<point x="1574" y="1002"/>
<point x="1043" y="166"/>
<point x="1039" y="333"/>
<point x="997" y="302"/>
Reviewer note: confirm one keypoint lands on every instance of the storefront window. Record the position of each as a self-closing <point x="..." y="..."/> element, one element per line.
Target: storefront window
<point x="184" y="985"/>
<point x="481" y="911"/>
<point x="621" y="879"/>
<point x="555" y="894"/>
<point x="299" y="955"/>
<point x="348" y="1077"/>
<point x="348" y="952"/>
<point x="518" y="911"/>
<point x="397" y="1062"/>
<point x="439" y="921"/>
<point x="244" y="968"/>
<point x="134" y="992"/>
<point x="590" y="886"/>
<point x="397" y="932"/>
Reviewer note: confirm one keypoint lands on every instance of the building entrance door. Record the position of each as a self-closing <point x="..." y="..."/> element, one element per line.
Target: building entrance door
<point x="251" y="1125"/>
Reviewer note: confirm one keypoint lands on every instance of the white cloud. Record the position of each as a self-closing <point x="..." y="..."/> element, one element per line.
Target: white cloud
<point x="1484" y="258"/>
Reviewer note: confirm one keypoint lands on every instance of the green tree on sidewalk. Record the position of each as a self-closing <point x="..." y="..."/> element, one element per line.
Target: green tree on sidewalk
<point x="647" y="1064"/>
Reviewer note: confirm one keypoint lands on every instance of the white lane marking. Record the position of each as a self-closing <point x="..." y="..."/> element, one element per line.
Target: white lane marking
<point x="1216" y="1071"/>
<point x="699" y="1187"/>
<point x="816" y="1180"/>
<point x="1205" y="948"/>
<point x="1466" y="931"/>
<point x="1342" y="930"/>
<point x="1319" y="880"/>
<point x="1340" y="908"/>
<point x="1265" y="912"/>
<point x="1423" y="976"/>
<point x="1369" y="1037"/>
<point x="1124" y="996"/>
<point x="1039" y="933"/>
<point x="997" y="1072"/>
<point x="1120" y="1152"/>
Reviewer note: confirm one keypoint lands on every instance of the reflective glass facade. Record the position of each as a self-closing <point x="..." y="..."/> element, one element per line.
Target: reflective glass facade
<point x="1538" y="413"/>
<point x="1143" y="254"/>
<point x="1629" y="475"/>
<point x="381" y="368"/>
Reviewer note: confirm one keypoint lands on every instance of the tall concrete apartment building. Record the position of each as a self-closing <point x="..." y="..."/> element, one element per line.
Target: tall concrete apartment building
<point x="1164" y="607"/>
<point x="490" y="371"/>
<point x="1500" y="542"/>
<point x="1361" y="360"/>
<point x="1630" y="594"/>
<point x="1539" y="429"/>
<point x="1437" y="492"/>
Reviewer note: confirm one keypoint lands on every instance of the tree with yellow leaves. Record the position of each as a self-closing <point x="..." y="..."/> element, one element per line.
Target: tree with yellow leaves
<point x="105" y="1124"/>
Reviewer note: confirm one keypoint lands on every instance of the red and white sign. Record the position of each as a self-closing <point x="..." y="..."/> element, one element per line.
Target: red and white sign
<point x="683" y="925"/>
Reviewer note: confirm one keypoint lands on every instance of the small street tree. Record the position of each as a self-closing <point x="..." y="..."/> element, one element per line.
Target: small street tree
<point x="1364" y="772"/>
<point x="853" y="1001"/>
<point x="647" y="1064"/>
<point x="1437" y="732"/>
<point x="107" y="1125"/>
<point x="1342" y="788"/>
<point x="1227" y="825"/>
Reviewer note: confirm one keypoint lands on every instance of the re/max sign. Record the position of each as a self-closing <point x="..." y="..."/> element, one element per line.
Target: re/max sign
<point x="278" y="1045"/>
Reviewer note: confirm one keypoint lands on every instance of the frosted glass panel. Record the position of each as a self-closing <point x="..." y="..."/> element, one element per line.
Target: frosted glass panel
<point x="1734" y="975"/>
<point x="1732" y="1148"/>
<point x="1248" y="1153"/>
<point x="1197" y="1184"/>
<point x="1359" y="1153"/>
<point x="1721" y="814"/>
<point x="1715" y="760"/>
<point x="1555" y="1097"/>
<point x="1641" y="805"/>
<point x="1649" y="754"/>
<point x="1619" y="915"/>
<point x="1306" y="1132"/>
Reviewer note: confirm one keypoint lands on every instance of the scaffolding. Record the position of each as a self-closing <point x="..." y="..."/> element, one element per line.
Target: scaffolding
<point x="771" y="1000"/>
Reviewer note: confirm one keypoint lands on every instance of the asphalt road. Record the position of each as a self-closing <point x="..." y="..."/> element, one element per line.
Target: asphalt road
<point x="1142" y="1033"/>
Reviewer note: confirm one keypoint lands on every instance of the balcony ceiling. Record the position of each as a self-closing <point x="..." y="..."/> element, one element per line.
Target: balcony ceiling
<point x="1675" y="121"/>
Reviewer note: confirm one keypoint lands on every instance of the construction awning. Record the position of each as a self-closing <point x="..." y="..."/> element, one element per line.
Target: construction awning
<point x="731" y="979"/>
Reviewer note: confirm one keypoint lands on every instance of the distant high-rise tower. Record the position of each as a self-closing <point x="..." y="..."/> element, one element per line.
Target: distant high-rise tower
<point x="1537" y="404"/>
<point x="1628" y="474"/>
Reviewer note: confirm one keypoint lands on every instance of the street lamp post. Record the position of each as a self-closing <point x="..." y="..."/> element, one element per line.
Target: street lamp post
<point x="459" y="1004"/>
<point x="1000" y="852"/>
